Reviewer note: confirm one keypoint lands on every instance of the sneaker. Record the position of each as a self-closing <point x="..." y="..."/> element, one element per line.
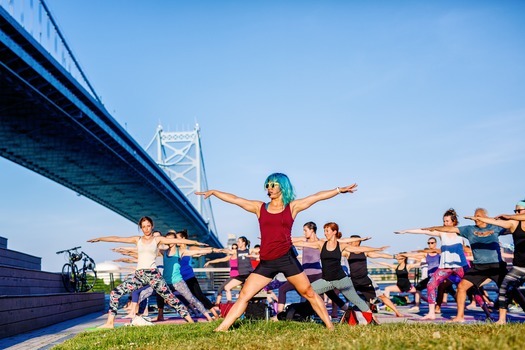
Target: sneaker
<point x="139" y="321"/>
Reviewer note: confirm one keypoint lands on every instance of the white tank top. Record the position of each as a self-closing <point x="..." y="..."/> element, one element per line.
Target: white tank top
<point x="147" y="253"/>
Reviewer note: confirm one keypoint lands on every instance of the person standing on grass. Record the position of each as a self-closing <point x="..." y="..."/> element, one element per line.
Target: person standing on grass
<point x="244" y="268"/>
<point x="333" y="274"/>
<point x="146" y="272"/>
<point x="487" y="264"/>
<point x="401" y="270"/>
<point x="231" y="257"/>
<point x="174" y="278"/>
<point x="189" y="275"/>
<point x="452" y="261"/>
<point x="311" y="262"/>
<point x="516" y="276"/>
<point x="275" y="221"/>
<point x="362" y="282"/>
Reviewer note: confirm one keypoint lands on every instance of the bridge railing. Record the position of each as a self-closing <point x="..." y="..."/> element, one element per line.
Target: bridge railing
<point x="35" y="17"/>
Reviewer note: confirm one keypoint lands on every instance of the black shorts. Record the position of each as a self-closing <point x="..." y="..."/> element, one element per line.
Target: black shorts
<point x="241" y="278"/>
<point x="422" y="285"/>
<point x="287" y="264"/>
<point x="478" y="273"/>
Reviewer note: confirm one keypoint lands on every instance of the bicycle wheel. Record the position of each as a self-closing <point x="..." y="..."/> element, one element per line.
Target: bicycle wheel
<point x="89" y="277"/>
<point x="69" y="277"/>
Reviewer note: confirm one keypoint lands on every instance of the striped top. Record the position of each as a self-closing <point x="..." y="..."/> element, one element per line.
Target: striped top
<point x="452" y="255"/>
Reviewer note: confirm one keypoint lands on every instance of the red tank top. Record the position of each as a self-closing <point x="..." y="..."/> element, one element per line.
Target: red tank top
<point x="276" y="233"/>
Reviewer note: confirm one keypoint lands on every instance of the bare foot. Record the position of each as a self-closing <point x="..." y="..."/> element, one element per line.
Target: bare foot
<point x="501" y="322"/>
<point x="157" y="319"/>
<point x="107" y="326"/>
<point x="400" y="315"/>
<point x="428" y="317"/>
<point x="128" y="316"/>
<point x="457" y="320"/>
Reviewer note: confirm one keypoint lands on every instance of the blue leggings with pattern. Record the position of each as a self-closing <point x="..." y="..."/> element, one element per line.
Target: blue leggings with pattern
<point x="141" y="278"/>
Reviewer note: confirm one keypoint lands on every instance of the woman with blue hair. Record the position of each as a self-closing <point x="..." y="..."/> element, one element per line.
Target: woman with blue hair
<point x="276" y="218"/>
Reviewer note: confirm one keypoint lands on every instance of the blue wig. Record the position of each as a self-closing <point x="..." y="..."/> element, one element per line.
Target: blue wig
<point x="285" y="185"/>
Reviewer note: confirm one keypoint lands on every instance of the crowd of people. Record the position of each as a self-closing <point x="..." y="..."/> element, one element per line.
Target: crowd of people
<point x="469" y="257"/>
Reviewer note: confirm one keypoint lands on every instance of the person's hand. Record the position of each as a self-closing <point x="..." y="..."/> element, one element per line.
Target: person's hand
<point x="206" y="194"/>
<point x="94" y="240"/>
<point x="400" y="232"/>
<point x="207" y="264"/>
<point x="348" y="189"/>
<point x="470" y="217"/>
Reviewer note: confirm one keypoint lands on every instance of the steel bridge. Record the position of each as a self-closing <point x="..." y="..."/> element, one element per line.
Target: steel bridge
<point x="52" y="122"/>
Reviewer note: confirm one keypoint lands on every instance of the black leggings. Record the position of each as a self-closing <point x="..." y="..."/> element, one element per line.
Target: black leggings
<point x="196" y="290"/>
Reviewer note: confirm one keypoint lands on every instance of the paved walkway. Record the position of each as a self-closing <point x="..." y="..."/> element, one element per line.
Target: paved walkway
<point x="46" y="338"/>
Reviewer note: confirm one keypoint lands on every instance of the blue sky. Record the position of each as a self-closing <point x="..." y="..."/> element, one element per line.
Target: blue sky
<point x="421" y="103"/>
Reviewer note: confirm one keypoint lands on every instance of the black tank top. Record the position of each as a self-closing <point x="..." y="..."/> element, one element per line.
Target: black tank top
<point x="519" y="245"/>
<point x="331" y="263"/>
<point x="244" y="263"/>
<point x="358" y="267"/>
<point x="403" y="282"/>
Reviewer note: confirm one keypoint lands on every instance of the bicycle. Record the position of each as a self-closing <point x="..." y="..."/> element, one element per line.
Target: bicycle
<point x="78" y="280"/>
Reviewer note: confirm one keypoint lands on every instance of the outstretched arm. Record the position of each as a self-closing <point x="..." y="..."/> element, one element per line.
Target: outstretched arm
<point x="518" y="217"/>
<point x="165" y="240"/>
<point x="353" y="239"/>
<point x="376" y="255"/>
<point x="216" y="261"/>
<point x="418" y="231"/>
<point x="360" y="249"/>
<point x="299" y="205"/>
<point x="248" y="205"/>
<point x="443" y="229"/>
<point x="508" y="224"/>
<point x="198" y="252"/>
<point x="316" y="244"/>
<point x="115" y="239"/>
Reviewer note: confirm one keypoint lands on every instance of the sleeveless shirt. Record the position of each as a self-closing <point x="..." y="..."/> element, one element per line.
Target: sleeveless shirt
<point x="402" y="279"/>
<point x="311" y="261"/>
<point x="519" y="245"/>
<point x="276" y="233"/>
<point x="147" y="253"/>
<point x="358" y="268"/>
<point x="171" y="271"/>
<point x="331" y="263"/>
<point x="244" y="262"/>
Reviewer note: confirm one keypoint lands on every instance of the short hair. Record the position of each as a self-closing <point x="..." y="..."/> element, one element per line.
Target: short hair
<point x="287" y="189"/>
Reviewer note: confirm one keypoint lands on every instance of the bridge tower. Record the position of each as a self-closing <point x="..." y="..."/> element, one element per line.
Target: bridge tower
<point x="179" y="154"/>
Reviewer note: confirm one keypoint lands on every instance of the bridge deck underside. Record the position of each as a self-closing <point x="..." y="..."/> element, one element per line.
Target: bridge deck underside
<point x="43" y="130"/>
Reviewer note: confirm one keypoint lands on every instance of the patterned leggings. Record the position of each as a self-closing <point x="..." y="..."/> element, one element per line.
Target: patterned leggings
<point x="183" y="290"/>
<point x="512" y="281"/>
<point x="143" y="277"/>
<point x="439" y="276"/>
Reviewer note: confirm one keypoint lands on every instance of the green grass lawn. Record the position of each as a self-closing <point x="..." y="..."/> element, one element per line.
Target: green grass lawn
<point x="295" y="335"/>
